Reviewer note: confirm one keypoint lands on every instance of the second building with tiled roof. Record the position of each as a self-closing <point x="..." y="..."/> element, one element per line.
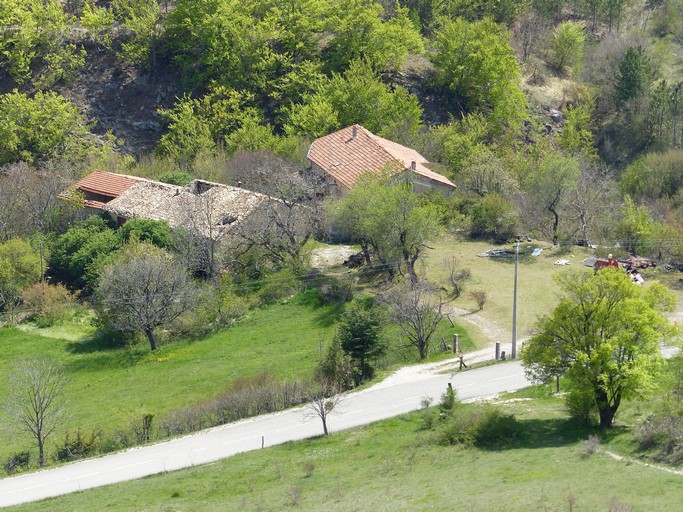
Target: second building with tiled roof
<point x="346" y="155"/>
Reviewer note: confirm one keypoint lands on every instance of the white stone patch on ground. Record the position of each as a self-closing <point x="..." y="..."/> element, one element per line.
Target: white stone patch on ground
<point x="331" y="256"/>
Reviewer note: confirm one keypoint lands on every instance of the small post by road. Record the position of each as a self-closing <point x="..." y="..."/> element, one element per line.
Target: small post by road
<point x="514" y="306"/>
<point x="497" y="350"/>
<point x="456" y="343"/>
<point x="263" y="441"/>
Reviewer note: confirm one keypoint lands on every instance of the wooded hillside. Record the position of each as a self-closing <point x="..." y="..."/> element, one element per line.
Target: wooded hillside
<point x="555" y="118"/>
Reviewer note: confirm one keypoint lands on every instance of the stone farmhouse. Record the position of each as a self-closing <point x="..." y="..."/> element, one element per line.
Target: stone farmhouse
<point x="209" y="209"/>
<point x="342" y="157"/>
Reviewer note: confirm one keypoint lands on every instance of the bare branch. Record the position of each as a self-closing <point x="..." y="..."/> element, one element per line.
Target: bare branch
<point x="324" y="403"/>
<point x="35" y="386"/>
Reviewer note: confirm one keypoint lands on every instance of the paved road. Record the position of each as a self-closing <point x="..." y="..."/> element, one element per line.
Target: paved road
<point x="390" y="398"/>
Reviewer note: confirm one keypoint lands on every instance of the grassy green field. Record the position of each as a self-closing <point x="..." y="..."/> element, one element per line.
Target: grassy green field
<point x="110" y="387"/>
<point x="395" y="465"/>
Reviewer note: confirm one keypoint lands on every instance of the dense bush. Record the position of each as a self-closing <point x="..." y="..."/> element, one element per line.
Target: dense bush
<point x="47" y="302"/>
<point x="77" y="446"/>
<point x="217" y="307"/>
<point x="663" y="433"/>
<point x="145" y="230"/>
<point x="279" y="285"/>
<point x="581" y="406"/>
<point x="78" y="254"/>
<point x="332" y="290"/>
<point x="480" y="426"/>
<point x="492" y="217"/>
<point x="179" y="178"/>
<point x="16" y="462"/>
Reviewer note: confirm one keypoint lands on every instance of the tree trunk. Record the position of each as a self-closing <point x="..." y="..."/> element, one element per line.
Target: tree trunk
<point x="606" y="410"/>
<point x="556" y="219"/>
<point x="410" y="260"/>
<point x="365" y="249"/>
<point x="422" y="347"/>
<point x="324" y="418"/>
<point x="150" y="337"/>
<point x="607" y="416"/>
<point x="41" y="449"/>
<point x="410" y="266"/>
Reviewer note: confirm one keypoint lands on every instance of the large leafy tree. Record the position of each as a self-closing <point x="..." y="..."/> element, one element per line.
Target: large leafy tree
<point x="604" y="336"/>
<point x="35" y="129"/>
<point x="142" y="22"/>
<point x="221" y="40"/>
<point x="361" y="32"/>
<point x="391" y="219"/>
<point x="355" y="96"/>
<point x="199" y="124"/>
<point x="34" y="30"/>
<point x="476" y="62"/>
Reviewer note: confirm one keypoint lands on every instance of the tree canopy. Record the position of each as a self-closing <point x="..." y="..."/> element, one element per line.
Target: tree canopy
<point x="604" y="336"/>
<point x="389" y="218"/>
<point x="475" y="61"/>
<point x="40" y="127"/>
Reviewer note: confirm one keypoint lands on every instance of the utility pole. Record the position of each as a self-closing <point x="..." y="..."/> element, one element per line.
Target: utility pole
<point x="514" y="306"/>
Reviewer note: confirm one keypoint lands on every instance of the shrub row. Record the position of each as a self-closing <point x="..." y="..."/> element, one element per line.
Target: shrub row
<point x="246" y="398"/>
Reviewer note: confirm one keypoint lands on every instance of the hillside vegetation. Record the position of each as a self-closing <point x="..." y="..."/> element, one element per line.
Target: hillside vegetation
<point x="560" y="122"/>
<point x="548" y="114"/>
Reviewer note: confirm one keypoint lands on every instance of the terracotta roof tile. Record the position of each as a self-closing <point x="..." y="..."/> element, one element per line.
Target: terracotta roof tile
<point x="346" y="158"/>
<point x="106" y="183"/>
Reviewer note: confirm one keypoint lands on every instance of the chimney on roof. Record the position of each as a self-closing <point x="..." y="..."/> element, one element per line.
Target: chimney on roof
<point x="354" y="132"/>
<point x="239" y="184"/>
<point x="413" y="165"/>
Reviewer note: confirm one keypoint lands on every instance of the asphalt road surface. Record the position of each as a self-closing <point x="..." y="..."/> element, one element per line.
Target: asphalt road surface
<point x="385" y="400"/>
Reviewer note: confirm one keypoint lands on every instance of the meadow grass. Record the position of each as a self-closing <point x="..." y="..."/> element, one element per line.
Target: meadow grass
<point x="536" y="292"/>
<point x="396" y="465"/>
<point x="113" y="386"/>
<point x="110" y="386"/>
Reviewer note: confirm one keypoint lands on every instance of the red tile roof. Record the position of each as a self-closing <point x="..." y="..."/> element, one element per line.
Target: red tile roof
<point x="346" y="158"/>
<point x="106" y="183"/>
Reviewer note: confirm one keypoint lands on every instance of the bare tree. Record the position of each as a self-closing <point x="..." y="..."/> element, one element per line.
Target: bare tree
<point x="456" y="275"/>
<point x="144" y="289"/>
<point x="590" y="200"/>
<point x="530" y="29"/>
<point x="280" y="227"/>
<point x="204" y="216"/>
<point x="29" y="199"/>
<point x="324" y="402"/>
<point x="417" y="310"/>
<point x="35" y="387"/>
